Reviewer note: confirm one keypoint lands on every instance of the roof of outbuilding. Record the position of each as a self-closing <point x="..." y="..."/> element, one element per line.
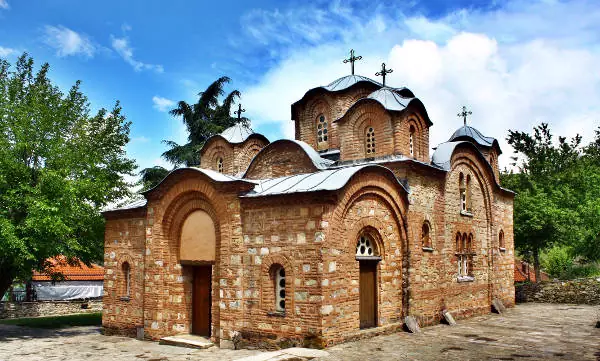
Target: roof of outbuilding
<point x="78" y="272"/>
<point x="324" y="180"/>
<point x="469" y="133"/>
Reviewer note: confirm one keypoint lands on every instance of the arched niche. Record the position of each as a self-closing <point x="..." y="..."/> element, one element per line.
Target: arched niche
<point x="198" y="238"/>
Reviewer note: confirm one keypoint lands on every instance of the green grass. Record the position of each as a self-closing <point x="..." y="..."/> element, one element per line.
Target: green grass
<point x="82" y="319"/>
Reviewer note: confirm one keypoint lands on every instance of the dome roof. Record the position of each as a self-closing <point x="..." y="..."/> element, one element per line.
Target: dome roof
<point x="347" y="81"/>
<point x="392" y="99"/>
<point x="469" y="133"/>
<point x="237" y="133"/>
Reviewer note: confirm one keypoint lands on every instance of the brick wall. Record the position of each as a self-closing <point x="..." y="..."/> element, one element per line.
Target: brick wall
<point x="236" y="157"/>
<point x="280" y="159"/>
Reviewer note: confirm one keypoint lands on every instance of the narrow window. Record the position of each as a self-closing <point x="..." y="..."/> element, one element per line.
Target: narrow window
<point x="468" y="194"/>
<point x="127" y="278"/>
<point x="425" y="235"/>
<point x="464" y="256"/>
<point x="411" y="141"/>
<point x="501" y="244"/>
<point x="280" y="289"/>
<point x="220" y="165"/>
<point x="370" y="141"/>
<point x="322" y="135"/>
<point x="463" y="193"/>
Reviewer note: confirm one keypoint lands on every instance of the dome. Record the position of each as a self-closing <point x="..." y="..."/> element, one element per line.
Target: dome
<point x="348" y="81"/>
<point x="392" y="99"/>
<point x="237" y="133"/>
<point x="469" y="133"/>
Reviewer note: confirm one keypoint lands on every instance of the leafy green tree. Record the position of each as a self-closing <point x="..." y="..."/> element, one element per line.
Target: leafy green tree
<point x="207" y="117"/>
<point x="558" y="194"/>
<point x="59" y="166"/>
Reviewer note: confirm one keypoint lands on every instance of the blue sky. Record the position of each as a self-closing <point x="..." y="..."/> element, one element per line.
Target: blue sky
<point x="514" y="63"/>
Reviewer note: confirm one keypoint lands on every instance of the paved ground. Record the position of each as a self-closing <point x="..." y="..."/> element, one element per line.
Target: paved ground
<point x="527" y="332"/>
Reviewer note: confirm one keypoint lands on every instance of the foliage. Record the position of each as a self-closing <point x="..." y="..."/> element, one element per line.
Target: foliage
<point x="557" y="198"/>
<point x="203" y="119"/>
<point x="81" y="319"/>
<point x="59" y="166"/>
<point x="557" y="261"/>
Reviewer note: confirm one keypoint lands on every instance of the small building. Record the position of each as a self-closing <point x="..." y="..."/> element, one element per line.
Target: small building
<point x="80" y="281"/>
<point x="525" y="272"/>
<point x="340" y="233"/>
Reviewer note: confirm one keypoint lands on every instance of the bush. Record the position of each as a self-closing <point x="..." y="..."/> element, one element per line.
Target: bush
<point x="557" y="261"/>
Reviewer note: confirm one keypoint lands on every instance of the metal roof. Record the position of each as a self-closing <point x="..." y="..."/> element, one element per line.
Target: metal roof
<point x="392" y="99"/>
<point x="237" y="133"/>
<point x="467" y="132"/>
<point x="324" y="180"/>
<point x="347" y="81"/>
<point x="443" y="154"/>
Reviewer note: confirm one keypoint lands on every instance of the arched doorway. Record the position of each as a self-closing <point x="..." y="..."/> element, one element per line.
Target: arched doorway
<point x="368" y="257"/>
<point x="197" y="251"/>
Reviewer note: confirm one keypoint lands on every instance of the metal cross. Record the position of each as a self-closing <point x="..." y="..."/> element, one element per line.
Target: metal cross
<point x="352" y="59"/>
<point x="383" y="72"/>
<point x="464" y="114"/>
<point x="239" y="112"/>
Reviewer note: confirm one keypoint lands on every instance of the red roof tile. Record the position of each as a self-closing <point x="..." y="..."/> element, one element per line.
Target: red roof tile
<point x="79" y="272"/>
<point x="521" y="270"/>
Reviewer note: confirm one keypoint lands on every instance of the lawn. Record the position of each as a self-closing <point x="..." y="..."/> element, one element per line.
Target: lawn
<point x="82" y="319"/>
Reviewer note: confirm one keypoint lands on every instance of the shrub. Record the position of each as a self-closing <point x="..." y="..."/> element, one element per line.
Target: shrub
<point x="557" y="261"/>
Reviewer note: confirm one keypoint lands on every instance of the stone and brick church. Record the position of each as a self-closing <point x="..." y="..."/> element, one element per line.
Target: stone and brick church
<point x="338" y="234"/>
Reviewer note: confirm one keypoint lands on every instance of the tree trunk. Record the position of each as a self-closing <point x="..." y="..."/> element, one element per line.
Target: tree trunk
<point x="536" y="265"/>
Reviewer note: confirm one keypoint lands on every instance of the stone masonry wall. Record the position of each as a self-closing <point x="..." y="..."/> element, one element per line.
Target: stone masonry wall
<point x="280" y="159"/>
<point x="580" y="291"/>
<point x="48" y="308"/>
<point x="124" y="241"/>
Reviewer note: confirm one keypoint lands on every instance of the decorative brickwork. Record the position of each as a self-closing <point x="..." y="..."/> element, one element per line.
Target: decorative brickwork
<point x="287" y="229"/>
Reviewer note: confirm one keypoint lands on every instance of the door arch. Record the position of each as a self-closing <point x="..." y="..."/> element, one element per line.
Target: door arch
<point x="368" y="258"/>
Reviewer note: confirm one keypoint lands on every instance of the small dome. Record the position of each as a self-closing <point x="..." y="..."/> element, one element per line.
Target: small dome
<point x="348" y="81"/>
<point x="392" y="99"/>
<point x="237" y="134"/>
<point x="471" y="134"/>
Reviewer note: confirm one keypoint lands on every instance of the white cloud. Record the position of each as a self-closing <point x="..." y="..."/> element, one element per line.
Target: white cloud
<point x="4" y="5"/>
<point x="4" y="52"/>
<point x="68" y="42"/>
<point x="162" y="104"/>
<point x="122" y="47"/>
<point x="512" y="66"/>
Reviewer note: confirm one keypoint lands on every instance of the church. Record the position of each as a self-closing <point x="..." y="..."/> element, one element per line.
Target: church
<point x="339" y="234"/>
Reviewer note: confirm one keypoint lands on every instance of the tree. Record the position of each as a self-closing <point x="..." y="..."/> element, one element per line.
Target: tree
<point x="203" y="119"/>
<point x="152" y="176"/>
<point x="558" y="194"/>
<point x="59" y="167"/>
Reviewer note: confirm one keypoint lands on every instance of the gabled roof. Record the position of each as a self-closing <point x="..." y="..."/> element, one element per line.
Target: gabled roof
<point x="78" y="272"/>
<point x="324" y="180"/>
<point x="469" y="133"/>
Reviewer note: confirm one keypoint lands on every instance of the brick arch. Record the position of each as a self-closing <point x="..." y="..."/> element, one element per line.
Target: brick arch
<point x="372" y="226"/>
<point x="248" y="150"/>
<point x="421" y="146"/>
<point x="474" y="166"/>
<point x="267" y="293"/>
<point x="318" y="105"/>
<point x="362" y="116"/>
<point x="219" y="148"/>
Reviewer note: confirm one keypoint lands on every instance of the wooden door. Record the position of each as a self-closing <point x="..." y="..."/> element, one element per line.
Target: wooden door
<point x="201" y="301"/>
<point x="368" y="295"/>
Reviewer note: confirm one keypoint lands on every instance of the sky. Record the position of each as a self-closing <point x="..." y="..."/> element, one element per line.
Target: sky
<point x="514" y="64"/>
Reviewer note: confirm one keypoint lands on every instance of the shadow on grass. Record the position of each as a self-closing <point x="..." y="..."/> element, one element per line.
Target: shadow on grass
<point x="82" y="319"/>
<point x="50" y="327"/>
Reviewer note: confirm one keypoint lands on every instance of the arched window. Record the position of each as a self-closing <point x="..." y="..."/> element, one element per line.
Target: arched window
<point x="126" y="278"/>
<point x="322" y="135"/>
<point x="220" y="165"/>
<point x="468" y="194"/>
<point x="370" y="141"/>
<point x="464" y="256"/>
<point x="365" y="246"/>
<point x="426" y="235"/>
<point x="411" y="141"/>
<point x="501" y="243"/>
<point x="463" y="192"/>
<point x="279" y="287"/>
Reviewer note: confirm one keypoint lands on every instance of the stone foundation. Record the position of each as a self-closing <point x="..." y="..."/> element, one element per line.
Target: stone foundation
<point x="48" y="308"/>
